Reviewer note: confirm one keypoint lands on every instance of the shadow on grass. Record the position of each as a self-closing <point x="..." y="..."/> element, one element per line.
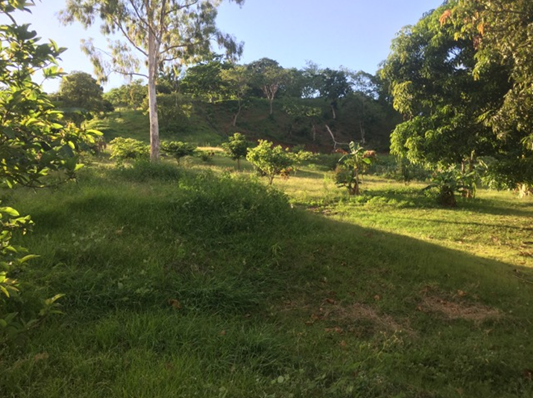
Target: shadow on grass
<point x="233" y="253"/>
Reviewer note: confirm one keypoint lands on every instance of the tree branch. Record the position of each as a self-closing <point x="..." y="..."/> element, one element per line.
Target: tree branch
<point x="127" y="36"/>
<point x="129" y="73"/>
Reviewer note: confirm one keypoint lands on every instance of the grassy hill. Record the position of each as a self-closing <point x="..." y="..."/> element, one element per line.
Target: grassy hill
<point x="200" y="281"/>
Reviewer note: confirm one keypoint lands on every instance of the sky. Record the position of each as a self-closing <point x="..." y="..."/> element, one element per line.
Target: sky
<point x="355" y="34"/>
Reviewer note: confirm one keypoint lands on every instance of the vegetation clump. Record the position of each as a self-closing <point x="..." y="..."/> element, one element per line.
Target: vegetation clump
<point x="123" y="149"/>
<point x="270" y="160"/>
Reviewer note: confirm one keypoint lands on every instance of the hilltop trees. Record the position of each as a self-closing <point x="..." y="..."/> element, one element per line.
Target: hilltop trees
<point x="154" y="32"/>
<point x="81" y="90"/>
<point x="268" y="76"/>
<point x="130" y="95"/>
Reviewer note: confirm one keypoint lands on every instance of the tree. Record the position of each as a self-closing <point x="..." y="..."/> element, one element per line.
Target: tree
<point x="312" y="80"/>
<point x="501" y="33"/>
<point x="80" y="90"/>
<point x="269" y="160"/>
<point x="430" y="72"/>
<point x="301" y="112"/>
<point x="334" y="86"/>
<point x="203" y="81"/>
<point x="130" y="95"/>
<point x="159" y="31"/>
<point x="33" y="143"/>
<point x="236" y="147"/>
<point x="268" y="75"/>
<point x="236" y="81"/>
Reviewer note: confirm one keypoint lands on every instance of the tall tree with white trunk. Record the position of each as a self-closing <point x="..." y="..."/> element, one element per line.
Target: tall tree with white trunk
<point x="152" y="33"/>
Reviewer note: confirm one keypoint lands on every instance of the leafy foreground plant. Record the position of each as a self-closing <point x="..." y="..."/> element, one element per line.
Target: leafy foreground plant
<point x="206" y="286"/>
<point x="33" y="144"/>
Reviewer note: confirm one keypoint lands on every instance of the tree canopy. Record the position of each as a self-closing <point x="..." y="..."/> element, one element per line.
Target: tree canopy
<point x="446" y="96"/>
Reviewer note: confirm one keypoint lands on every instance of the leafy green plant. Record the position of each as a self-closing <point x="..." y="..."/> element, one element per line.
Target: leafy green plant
<point x="128" y="149"/>
<point x="10" y="261"/>
<point x="206" y="156"/>
<point x="351" y="166"/>
<point x="447" y="182"/>
<point x="269" y="160"/>
<point x="236" y="147"/>
<point x="35" y="142"/>
<point x="299" y="156"/>
<point x="178" y="149"/>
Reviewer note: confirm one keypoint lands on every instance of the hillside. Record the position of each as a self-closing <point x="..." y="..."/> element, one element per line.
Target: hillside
<point x="207" y="124"/>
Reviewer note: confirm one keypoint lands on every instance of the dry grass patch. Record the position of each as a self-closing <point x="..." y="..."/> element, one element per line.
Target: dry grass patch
<point x="355" y="313"/>
<point x="349" y="318"/>
<point x="456" y="309"/>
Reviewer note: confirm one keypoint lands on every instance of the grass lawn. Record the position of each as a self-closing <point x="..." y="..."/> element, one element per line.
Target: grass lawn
<point x="202" y="281"/>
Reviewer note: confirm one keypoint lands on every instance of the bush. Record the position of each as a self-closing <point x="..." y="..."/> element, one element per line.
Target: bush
<point x="178" y="149"/>
<point x="269" y="160"/>
<point x="236" y="147"/>
<point x="219" y="207"/>
<point x="144" y="170"/>
<point x="128" y="149"/>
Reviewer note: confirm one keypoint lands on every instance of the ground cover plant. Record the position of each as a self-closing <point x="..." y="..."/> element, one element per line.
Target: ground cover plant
<point x="202" y="281"/>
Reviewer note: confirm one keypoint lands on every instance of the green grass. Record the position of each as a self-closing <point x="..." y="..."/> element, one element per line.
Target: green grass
<point x="201" y="281"/>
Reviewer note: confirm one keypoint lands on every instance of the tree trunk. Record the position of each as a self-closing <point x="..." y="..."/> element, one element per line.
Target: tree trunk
<point x="333" y="111"/>
<point x="356" y="190"/>
<point x="314" y="132"/>
<point x="152" y="102"/>
<point x="239" y="106"/>
<point x="362" y="133"/>
<point x="271" y="105"/>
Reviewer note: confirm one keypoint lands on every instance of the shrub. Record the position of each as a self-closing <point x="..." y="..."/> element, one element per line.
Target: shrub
<point x="178" y="149"/>
<point x="351" y="165"/>
<point x="269" y="160"/>
<point x="236" y="147"/>
<point x="128" y="149"/>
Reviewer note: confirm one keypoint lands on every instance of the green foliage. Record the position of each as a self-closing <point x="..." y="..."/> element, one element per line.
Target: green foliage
<point x="502" y="35"/>
<point x="11" y="262"/>
<point x="153" y="34"/>
<point x="236" y="147"/>
<point x="451" y="92"/>
<point x="178" y="149"/>
<point x="300" y="156"/>
<point x="128" y="149"/>
<point x="271" y="161"/>
<point x="33" y="144"/>
<point x="174" y="112"/>
<point x="128" y="95"/>
<point x="81" y="90"/>
<point x="267" y="76"/>
<point x="204" y="82"/>
<point x="447" y="182"/>
<point x="351" y="166"/>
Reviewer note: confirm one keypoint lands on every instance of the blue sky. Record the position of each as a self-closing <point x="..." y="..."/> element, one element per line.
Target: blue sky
<point x="355" y="34"/>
